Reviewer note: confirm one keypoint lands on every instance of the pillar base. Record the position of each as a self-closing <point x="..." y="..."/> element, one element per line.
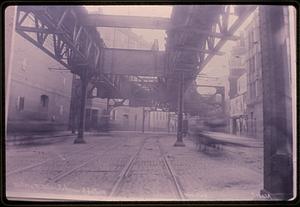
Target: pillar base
<point x="179" y="144"/>
<point x="275" y="196"/>
<point x="79" y="141"/>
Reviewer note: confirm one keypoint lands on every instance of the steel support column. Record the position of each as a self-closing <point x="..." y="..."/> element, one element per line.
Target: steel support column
<point x="179" y="141"/>
<point x="277" y="132"/>
<point x="73" y="117"/>
<point x="81" y="124"/>
<point x="169" y="118"/>
<point x="143" y="126"/>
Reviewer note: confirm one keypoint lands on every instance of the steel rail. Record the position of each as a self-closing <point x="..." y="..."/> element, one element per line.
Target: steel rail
<point x="43" y="162"/>
<point x="64" y="174"/>
<point x="125" y="170"/>
<point x="168" y="165"/>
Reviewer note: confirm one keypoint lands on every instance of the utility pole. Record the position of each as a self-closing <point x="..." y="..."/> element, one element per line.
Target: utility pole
<point x="179" y="141"/>
<point x="81" y="125"/>
<point x="143" y="126"/>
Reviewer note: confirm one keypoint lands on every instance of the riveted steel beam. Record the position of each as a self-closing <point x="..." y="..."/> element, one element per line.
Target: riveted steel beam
<point x="100" y="20"/>
<point x="230" y="31"/>
<point x="58" y="31"/>
<point x="198" y="31"/>
<point x="211" y="51"/>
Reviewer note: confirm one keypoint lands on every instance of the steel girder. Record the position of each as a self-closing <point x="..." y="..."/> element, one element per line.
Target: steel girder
<point x="58" y="31"/>
<point x="202" y="30"/>
<point x="61" y="33"/>
<point x="242" y="13"/>
<point x="196" y="103"/>
<point x="197" y="34"/>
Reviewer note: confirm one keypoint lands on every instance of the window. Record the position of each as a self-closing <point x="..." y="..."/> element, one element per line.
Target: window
<point x="114" y="115"/>
<point x="24" y="64"/>
<point x="218" y="98"/>
<point x="64" y="81"/>
<point x="94" y="92"/>
<point x="242" y="39"/>
<point x="256" y="88"/>
<point x="20" y="103"/>
<point x="253" y="89"/>
<point x="254" y="64"/>
<point x="44" y="101"/>
<point x="250" y="39"/>
<point x="61" y="109"/>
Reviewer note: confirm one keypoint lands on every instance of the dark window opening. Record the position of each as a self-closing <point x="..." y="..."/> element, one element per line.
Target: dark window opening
<point x="44" y="101"/>
<point x="20" y="103"/>
<point x="114" y="115"/>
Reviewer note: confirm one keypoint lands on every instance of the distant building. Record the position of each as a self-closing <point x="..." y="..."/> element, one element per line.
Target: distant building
<point x="130" y="118"/>
<point x="123" y="117"/>
<point x="139" y="118"/>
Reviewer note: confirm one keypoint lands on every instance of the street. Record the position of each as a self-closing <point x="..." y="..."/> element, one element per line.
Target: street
<point x="132" y="166"/>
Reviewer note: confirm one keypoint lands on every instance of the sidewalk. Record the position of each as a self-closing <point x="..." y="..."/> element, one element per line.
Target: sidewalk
<point x="12" y="140"/>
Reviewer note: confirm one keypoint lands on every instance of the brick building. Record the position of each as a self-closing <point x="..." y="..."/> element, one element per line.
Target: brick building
<point x="39" y="88"/>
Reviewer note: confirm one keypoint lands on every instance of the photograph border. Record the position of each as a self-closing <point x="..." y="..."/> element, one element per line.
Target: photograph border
<point x="6" y="202"/>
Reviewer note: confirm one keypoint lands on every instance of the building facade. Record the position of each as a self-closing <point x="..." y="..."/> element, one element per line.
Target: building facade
<point x="238" y="89"/>
<point x="142" y="119"/>
<point x="246" y="117"/>
<point x="246" y="83"/>
<point x="254" y="79"/>
<point x="39" y="91"/>
<point x="238" y="106"/>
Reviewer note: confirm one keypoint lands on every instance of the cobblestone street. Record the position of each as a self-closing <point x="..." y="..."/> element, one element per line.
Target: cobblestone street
<point x="132" y="166"/>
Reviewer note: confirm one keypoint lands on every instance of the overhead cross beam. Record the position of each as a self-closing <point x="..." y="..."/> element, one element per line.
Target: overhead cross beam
<point x="205" y="32"/>
<point x="100" y="20"/>
<point x="199" y="50"/>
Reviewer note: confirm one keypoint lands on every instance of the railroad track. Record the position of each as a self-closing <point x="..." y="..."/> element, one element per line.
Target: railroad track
<point x="46" y="161"/>
<point x="124" y="173"/>
<point x="174" y="177"/>
<point x="69" y="172"/>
